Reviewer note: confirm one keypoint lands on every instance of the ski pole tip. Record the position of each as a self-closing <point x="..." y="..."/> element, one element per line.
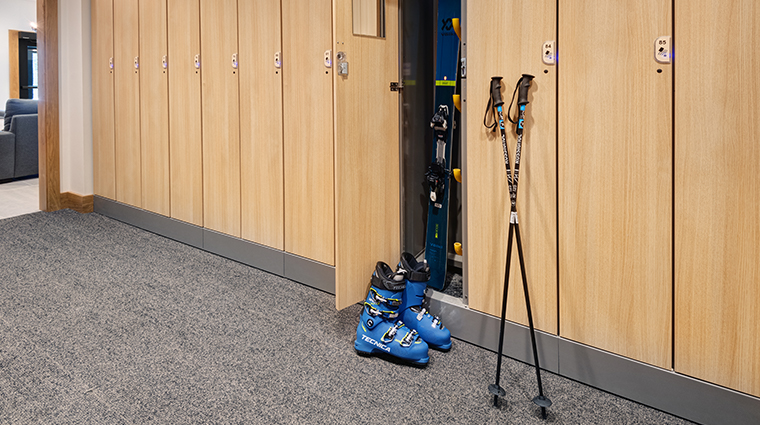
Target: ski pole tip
<point x="458" y="248"/>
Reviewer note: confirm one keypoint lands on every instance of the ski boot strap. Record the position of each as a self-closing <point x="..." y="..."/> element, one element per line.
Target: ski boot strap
<point x="422" y="311"/>
<point x="416" y="271"/>
<point x="405" y="341"/>
<point x="375" y="310"/>
<point x="379" y="299"/>
<point x="415" y="276"/>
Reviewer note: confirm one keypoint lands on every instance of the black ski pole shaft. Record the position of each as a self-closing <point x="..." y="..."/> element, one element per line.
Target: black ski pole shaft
<point x="540" y="400"/>
<point x="496" y="390"/>
<point x="498" y="103"/>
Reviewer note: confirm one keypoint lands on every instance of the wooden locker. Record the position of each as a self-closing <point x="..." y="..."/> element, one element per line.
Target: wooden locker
<point x="367" y="169"/>
<point x="485" y="174"/>
<point x="615" y="178"/>
<point x="185" y="147"/>
<point x="221" y="117"/>
<point x="127" y="102"/>
<point x="717" y="193"/>
<point x="308" y="130"/>
<point x="104" y="165"/>
<point x="154" y="107"/>
<point x="261" y="123"/>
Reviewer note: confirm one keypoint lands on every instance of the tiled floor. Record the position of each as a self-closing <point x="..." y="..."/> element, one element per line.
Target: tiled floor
<point x="19" y="197"/>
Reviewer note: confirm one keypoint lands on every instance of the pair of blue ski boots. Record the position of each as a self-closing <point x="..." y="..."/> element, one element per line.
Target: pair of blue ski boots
<point x="394" y="321"/>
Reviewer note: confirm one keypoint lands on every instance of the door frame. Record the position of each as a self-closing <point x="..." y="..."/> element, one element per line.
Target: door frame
<point x="48" y="107"/>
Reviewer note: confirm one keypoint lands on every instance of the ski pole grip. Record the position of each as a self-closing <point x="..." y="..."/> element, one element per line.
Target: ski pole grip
<point x="522" y="95"/>
<point x="496" y="91"/>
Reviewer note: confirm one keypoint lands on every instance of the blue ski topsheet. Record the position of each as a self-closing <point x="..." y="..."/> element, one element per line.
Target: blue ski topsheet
<point x="447" y="50"/>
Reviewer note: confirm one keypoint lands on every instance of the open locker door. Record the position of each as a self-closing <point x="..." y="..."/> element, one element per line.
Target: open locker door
<point x="367" y="194"/>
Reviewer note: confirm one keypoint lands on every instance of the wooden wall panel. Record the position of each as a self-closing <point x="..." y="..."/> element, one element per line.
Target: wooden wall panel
<point x="615" y="178"/>
<point x="367" y="198"/>
<point x="127" y="103"/>
<point x="717" y="194"/>
<point x="185" y="147"/>
<point x="13" y="68"/>
<point x="308" y="132"/>
<point x="261" y="123"/>
<point x="154" y="107"/>
<point x="221" y="117"/>
<point x="485" y="174"/>
<point x="49" y="117"/>
<point x="104" y="165"/>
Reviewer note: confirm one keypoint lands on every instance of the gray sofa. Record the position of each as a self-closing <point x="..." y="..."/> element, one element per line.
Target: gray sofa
<point x="18" y="140"/>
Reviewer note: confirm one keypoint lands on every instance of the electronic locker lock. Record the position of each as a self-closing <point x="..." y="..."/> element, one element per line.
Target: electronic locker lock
<point x="137" y="62"/>
<point x="328" y="58"/>
<point x="164" y="62"/>
<point x="234" y="61"/>
<point x="197" y="61"/>
<point x="277" y="60"/>
<point x="663" y="52"/>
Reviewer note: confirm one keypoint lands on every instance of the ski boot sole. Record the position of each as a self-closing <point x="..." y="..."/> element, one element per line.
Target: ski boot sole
<point x="391" y="358"/>
<point x="443" y="348"/>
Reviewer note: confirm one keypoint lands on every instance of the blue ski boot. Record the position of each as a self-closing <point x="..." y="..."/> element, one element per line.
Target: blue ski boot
<point x="380" y="331"/>
<point x="413" y="313"/>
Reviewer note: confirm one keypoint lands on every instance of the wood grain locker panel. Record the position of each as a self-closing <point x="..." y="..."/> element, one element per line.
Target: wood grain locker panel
<point x="154" y="107"/>
<point x="103" y="155"/>
<point x="488" y="202"/>
<point x="308" y="130"/>
<point x="615" y="178"/>
<point x="261" y="144"/>
<point x="221" y="117"/>
<point x="717" y="321"/>
<point x="127" y="102"/>
<point x="185" y="138"/>
<point x="367" y="190"/>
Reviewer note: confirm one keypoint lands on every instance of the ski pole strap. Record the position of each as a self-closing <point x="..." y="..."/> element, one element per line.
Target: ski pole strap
<point x="494" y="100"/>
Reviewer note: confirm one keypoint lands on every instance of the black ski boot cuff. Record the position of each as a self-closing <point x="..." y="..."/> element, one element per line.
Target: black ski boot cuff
<point x="385" y="278"/>
<point x="416" y="271"/>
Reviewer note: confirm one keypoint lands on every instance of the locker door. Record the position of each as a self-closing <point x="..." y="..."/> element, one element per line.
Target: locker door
<point x="615" y="178"/>
<point x="104" y="174"/>
<point x="127" y="102"/>
<point x="185" y="148"/>
<point x="154" y="107"/>
<point x="261" y="122"/>
<point x="485" y="176"/>
<point x="308" y="132"/>
<point x="367" y="194"/>
<point x="221" y="117"/>
<point x="717" y="194"/>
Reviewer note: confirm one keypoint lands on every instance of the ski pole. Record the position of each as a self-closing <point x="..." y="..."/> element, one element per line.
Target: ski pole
<point x="498" y="103"/>
<point x="522" y="100"/>
<point x="523" y="85"/>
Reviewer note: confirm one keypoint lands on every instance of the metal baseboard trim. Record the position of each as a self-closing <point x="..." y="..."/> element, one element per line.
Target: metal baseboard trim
<point x="246" y="252"/>
<point x="483" y="330"/>
<point x="309" y="272"/>
<point x="300" y="269"/>
<point x="662" y="389"/>
<point x="666" y="390"/>
<point x="165" y="226"/>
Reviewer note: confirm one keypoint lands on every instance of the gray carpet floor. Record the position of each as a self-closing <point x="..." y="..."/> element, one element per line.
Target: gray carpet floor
<point x="103" y="323"/>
